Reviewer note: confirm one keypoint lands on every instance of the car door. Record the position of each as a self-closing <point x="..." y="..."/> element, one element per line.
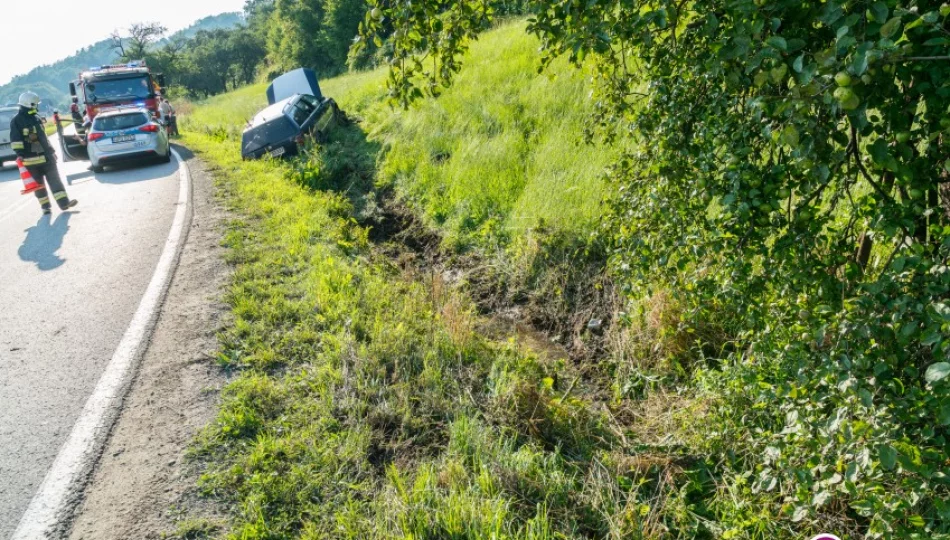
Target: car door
<point x="5" y="118"/>
<point x="303" y="112"/>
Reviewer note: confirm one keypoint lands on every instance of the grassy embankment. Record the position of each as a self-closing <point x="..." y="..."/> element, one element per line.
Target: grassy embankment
<point x="368" y="403"/>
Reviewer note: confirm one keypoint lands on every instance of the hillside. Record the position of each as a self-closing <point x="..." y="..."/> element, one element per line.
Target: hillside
<point x="51" y="81"/>
<point x="373" y="398"/>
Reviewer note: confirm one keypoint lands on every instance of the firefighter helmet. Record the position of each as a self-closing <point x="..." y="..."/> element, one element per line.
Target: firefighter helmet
<point x="29" y="100"/>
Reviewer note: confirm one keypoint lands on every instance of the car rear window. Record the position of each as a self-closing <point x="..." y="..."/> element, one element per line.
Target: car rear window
<point x="120" y="121"/>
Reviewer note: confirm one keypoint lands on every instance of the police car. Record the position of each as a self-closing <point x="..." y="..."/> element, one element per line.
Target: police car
<point x="124" y="135"/>
<point x="6" y="115"/>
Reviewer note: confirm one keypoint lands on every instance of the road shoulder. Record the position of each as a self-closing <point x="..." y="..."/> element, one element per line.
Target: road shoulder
<point x="143" y="476"/>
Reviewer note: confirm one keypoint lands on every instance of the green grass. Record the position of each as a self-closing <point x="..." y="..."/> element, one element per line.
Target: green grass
<point x="497" y="166"/>
<point x="194" y="529"/>
<point x="499" y="154"/>
<point x="366" y="403"/>
<point x="367" y="406"/>
<point x="501" y="151"/>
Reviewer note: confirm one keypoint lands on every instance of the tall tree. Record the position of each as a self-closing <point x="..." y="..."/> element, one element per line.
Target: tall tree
<point x="139" y="40"/>
<point x="313" y="33"/>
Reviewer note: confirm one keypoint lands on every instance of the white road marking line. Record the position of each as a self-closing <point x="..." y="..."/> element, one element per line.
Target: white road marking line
<point x="63" y="483"/>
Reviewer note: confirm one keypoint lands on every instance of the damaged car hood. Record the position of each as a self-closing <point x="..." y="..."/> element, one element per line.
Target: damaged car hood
<point x="299" y="81"/>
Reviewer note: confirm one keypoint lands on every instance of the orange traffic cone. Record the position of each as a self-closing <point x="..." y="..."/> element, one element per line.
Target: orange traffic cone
<point x="29" y="183"/>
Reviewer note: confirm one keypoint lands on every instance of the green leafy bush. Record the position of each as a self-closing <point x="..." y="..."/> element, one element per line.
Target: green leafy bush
<point x="787" y="169"/>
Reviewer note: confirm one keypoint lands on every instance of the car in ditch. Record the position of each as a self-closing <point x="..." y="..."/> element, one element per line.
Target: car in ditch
<point x="6" y="116"/>
<point x="124" y="135"/>
<point x="297" y="110"/>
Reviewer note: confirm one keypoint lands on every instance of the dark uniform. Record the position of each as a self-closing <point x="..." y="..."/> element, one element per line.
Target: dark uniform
<point x="29" y="141"/>
<point x="76" y="113"/>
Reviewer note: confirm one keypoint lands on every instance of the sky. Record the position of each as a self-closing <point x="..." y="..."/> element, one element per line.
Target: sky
<point x="49" y="32"/>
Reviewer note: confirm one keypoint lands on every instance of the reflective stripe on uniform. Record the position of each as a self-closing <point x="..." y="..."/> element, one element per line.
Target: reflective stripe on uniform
<point x="16" y="145"/>
<point x="44" y="200"/>
<point x="38" y="160"/>
<point x="60" y="195"/>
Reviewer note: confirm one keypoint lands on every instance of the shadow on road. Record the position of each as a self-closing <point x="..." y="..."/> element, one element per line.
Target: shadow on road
<point x="43" y="240"/>
<point x="136" y="172"/>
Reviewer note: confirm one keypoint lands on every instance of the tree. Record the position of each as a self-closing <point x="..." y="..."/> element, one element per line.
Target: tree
<point x="313" y="33"/>
<point x="216" y="61"/>
<point x="141" y="37"/>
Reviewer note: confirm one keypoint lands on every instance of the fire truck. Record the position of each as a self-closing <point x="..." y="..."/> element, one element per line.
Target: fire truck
<point x="103" y="88"/>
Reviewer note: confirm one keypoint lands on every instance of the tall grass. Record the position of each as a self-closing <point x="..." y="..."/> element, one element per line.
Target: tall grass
<point x="502" y="151"/>
<point x="367" y="407"/>
<point x="497" y="166"/>
<point x="366" y="403"/>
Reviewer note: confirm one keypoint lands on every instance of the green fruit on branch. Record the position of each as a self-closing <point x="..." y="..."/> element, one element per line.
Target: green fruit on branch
<point x="847" y="98"/>
<point x="843" y="79"/>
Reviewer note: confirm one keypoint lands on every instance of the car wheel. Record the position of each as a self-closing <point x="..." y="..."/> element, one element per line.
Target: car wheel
<point x="167" y="157"/>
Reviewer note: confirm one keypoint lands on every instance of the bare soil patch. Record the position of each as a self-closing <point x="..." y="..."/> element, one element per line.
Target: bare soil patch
<point x="143" y="479"/>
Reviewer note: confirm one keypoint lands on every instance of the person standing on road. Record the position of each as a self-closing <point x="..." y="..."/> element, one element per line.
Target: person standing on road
<point x="76" y="112"/>
<point x="28" y="139"/>
<point x="168" y="117"/>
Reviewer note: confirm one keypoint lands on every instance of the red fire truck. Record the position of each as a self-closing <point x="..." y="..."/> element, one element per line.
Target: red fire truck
<point x="102" y="88"/>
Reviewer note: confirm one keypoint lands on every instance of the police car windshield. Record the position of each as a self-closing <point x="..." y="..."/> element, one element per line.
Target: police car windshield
<point x="99" y="91"/>
<point x="120" y="121"/>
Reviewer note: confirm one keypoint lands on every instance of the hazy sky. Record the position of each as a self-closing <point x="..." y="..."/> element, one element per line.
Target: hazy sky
<point x="55" y="29"/>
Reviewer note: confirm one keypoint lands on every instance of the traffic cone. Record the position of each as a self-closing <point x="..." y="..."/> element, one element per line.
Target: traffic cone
<point x="29" y="183"/>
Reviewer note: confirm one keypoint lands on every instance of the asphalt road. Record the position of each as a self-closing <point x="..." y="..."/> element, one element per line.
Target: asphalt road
<point x="69" y="285"/>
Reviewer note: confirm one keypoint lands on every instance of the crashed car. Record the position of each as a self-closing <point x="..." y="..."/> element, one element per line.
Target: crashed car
<point x="297" y="111"/>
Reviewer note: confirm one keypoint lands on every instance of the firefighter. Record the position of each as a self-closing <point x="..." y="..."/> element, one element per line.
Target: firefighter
<point x="28" y="139"/>
<point x="76" y="112"/>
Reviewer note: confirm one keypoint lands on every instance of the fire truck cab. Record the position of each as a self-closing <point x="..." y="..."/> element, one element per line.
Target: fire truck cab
<point x="104" y="88"/>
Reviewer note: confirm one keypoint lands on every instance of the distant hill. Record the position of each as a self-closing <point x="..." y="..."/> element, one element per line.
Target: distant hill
<point x="51" y="81"/>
